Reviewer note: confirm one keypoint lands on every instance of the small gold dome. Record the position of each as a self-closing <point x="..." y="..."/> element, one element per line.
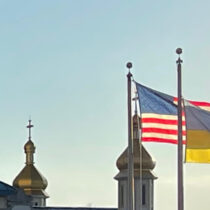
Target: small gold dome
<point x="29" y="147"/>
<point x="136" y="121"/>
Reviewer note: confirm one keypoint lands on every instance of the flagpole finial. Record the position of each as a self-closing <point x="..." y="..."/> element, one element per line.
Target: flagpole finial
<point x="179" y="51"/>
<point x="129" y="66"/>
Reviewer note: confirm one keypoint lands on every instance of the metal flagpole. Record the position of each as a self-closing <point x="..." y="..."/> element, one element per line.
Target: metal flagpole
<point x="137" y="136"/>
<point x="180" y="147"/>
<point x="140" y="163"/>
<point x="130" y="144"/>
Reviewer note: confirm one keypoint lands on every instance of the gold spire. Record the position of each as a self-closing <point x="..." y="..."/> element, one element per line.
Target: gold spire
<point x="30" y="179"/>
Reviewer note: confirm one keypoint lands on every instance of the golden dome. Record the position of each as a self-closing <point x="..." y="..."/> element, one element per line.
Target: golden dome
<point x="30" y="179"/>
<point x="147" y="162"/>
<point x="29" y="147"/>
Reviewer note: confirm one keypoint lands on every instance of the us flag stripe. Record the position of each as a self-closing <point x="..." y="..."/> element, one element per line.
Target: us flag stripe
<point x="160" y="140"/>
<point x="162" y="131"/>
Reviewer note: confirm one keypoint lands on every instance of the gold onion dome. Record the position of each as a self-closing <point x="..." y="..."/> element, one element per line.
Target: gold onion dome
<point x="30" y="179"/>
<point x="29" y="147"/>
<point x="146" y="161"/>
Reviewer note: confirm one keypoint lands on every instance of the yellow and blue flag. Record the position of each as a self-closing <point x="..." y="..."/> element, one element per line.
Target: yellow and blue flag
<point x="198" y="133"/>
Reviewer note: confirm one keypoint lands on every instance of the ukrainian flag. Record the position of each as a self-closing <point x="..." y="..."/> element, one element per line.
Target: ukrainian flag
<point x="198" y="134"/>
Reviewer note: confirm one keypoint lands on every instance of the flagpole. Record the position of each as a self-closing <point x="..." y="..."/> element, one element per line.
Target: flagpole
<point x="136" y="135"/>
<point x="130" y="144"/>
<point x="180" y="147"/>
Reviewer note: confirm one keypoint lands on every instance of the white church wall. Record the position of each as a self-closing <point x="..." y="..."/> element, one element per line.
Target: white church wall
<point x="38" y="201"/>
<point x="122" y="195"/>
<point x="145" y="202"/>
<point x="144" y="195"/>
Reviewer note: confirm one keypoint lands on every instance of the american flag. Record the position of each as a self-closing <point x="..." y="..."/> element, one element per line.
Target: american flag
<point x="159" y="116"/>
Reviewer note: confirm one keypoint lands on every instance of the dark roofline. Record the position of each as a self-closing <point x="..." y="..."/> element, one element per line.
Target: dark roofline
<point x="8" y="189"/>
<point x="75" y="208"/>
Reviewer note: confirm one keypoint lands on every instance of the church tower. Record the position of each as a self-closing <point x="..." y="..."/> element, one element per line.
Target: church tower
<point x="144" y="196"/>
<point x="30" y="179"/>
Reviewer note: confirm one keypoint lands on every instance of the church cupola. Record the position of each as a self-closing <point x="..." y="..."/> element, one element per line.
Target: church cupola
<point x="29" y="150"/>
<point x="30" y="179"/>
<point x="143" y="174"/>
<point x="29" y="147"/>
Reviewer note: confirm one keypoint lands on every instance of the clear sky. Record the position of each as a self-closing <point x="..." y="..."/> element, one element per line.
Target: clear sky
<point x="62" y="62"/>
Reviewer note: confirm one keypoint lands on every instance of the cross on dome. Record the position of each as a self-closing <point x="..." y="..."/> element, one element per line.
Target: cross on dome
<point x="29" y="126"/>
<point x="135" y="99"/>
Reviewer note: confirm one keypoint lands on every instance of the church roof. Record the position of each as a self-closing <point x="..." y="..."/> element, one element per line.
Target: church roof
<point x="6" y="189"/>
<point x="73" y="208"/>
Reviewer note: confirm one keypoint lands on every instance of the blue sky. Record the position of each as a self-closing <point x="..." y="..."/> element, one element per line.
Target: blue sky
<point x="63" y="63"/>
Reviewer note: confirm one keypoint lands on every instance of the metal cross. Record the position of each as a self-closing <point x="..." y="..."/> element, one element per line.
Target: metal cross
<point x="135" y="99"/>
<point x="29" y="126"/>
